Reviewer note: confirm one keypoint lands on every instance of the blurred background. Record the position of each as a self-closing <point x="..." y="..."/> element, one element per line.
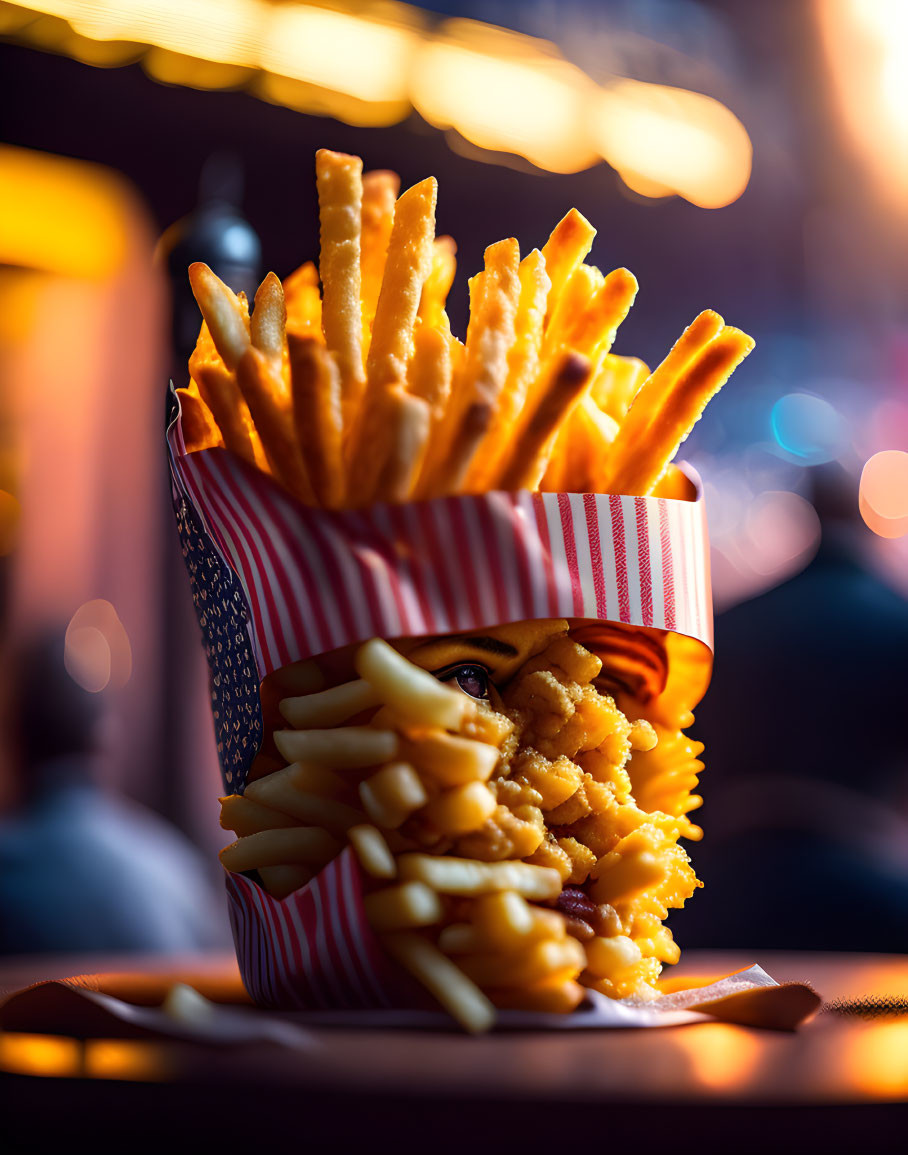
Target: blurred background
<point x="748" y="157"/>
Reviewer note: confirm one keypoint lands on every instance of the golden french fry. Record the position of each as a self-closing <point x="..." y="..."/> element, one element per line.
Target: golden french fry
<point x="372" y="851"/>
<point x="429" y="373"/>
<point x="199" y="428"/>
<point x="298" y="678"/>
<point x="340" y="199"/>
<point x="411" y="691"/>
<point x="225" y="314"/>
<point x="407" y="265"/>
<point x="406" y="420"/>
<point x="461" y="809"/>
<point x="578" y="460"/>
<point x="524" y="466"/>
<point x="303" y="844"/>
<point x="309" y="794"/>
<point x="438" y="283"/>
<point x="490" y="337"/>
<point x="652" y="394"/>
<point x="547" y="959"/>
<point x="616" y="383"/>
<point x="329" y="707"/>
<point x="392" y="794"/>
<point x="450" y="760"/>
<point x="592" y="330"/>
<point x="506" y="920"/>
<point x="280" y="881"/>
<point x="466" y="876"/>
<point x="264" y="393"/>
<point x="580" y="290"/>
<point x="244" y="816"/>
<point x="698" y="383"/>
<point x="268" y="324"/>
<point x="403" y="907"/>
<point x="317" y="414"/>
<point x="303" y="301"/>
<point x="346" y="748"/>
<point x="571" y="240"/>
<point x="523" y="366"/>
<point x="221" y="393"/>
<point x="456" y="993"/>
<point x="380" y="189"/>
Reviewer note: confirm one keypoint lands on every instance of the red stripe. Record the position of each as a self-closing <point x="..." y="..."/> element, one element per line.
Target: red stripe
<point x="668" y="569"/>
<point x="461" y="561"/>
<point x="444" y="573"/>
<point x="624" y="604"/>
<point x="542" y="524"/>
<point x="375" y="614"/>
<point x="591" y="509"/>
<point x="366" y="533"/>
<point x="570" y="550"/>
<point x="646" y="577"/>
<point x="522" y="553"/>
<point x="321" y="529"/>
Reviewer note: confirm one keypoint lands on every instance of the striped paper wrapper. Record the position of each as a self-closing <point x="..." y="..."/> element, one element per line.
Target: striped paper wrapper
<point x="275" y="582"/>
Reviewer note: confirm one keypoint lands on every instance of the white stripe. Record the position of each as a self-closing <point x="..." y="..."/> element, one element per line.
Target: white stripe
<point x="635" y="602"/>
<point x="655" y="561"/>
<point x="584" y="557"/>
<point x="353" y="926"/>
<point x="277" y="976"/>
<point x="460" y="615"/>
<point x="414" y="612"/>
<point x="341" y="920"/>
<point x="563" y="592"/>
<point x="485" y="574"/>
<point x="287" y="936"/>
<point x="535" y="561"/>
<point x="607" y="549"/>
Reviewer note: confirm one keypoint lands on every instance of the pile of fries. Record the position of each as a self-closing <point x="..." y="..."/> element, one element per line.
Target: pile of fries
<point x="360" y="393"/>
<point x="510" y="863"/>
<point x="518" y="851"/>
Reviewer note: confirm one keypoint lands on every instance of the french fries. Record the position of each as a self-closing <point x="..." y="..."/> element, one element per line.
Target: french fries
<point x="361" y="394"/>
<point x="470" y="825"/>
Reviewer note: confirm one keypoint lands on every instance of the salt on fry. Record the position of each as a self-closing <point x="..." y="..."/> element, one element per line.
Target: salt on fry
<point x="699" y="382"/>
<point x="303" y="844"/>
<point x="456" y="993"/>
<point x="340" y="198"/>
<point x="329" y="707"/>
<point x="318" y="417"/>
<point x="380" y="189"/>
<point x="414" y="693"/>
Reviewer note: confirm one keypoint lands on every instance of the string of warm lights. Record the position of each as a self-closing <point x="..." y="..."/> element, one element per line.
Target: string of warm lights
<point x="372" y="64"/>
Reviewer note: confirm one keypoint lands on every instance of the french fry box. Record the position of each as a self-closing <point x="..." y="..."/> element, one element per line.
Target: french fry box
<point x="275" y="582"/>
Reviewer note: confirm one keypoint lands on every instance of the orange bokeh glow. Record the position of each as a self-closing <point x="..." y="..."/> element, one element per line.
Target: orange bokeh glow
<point x="883" y="493"/>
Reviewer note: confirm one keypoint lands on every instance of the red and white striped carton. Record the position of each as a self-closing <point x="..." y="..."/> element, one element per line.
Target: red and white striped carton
<point x="314" y="580"/>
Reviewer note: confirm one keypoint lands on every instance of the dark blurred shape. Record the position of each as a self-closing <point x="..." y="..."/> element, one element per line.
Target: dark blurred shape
<point x="82" y="869"/>
<point x="217" y="233"/>
<point x="806" y="812"/>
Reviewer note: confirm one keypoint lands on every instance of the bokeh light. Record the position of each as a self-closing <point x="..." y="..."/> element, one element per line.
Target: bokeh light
<point x="883" y="493"/>
<point x="97" y="652"/>
<point x="808" y="428"/>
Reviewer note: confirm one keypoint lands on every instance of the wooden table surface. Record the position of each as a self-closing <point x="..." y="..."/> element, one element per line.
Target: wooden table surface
<point x="844" y="1071"/>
